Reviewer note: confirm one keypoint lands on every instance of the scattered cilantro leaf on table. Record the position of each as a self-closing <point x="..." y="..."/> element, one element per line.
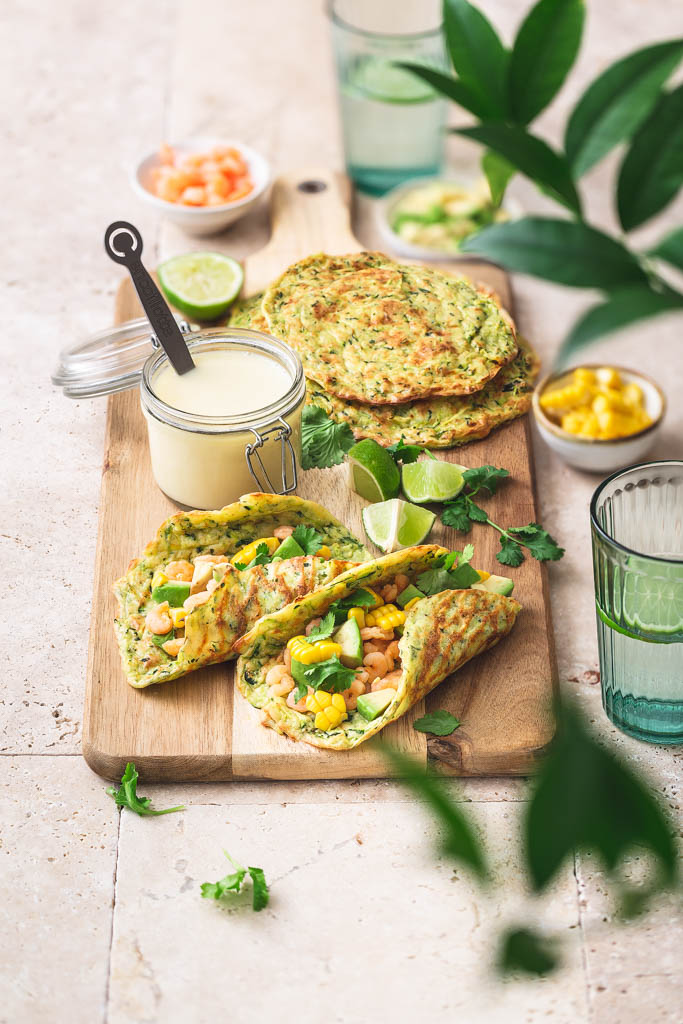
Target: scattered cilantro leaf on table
<point x="307" y="538"/>
<point x="323" y="442"/>
<point x="438" y="723"/>
<point x="232" y="883"/>
<point x="463" y="511"/>
<point x="126" y="795"/>
<point x="262" y="557"/>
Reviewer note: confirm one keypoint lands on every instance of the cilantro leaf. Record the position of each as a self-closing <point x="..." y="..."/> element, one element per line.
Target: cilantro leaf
<point x="359" y="599"/>
<point x="323" y="442"/>
<point x="467" y="554"/>
<point x="476" y="513"/>
<point x="262" y="557"/>
<point x="126" y="795"/>
<point x="438" y="723"/>
<point x="510" y="552"/>
<point x="484" y="478"/>
<point x="328" y="675"/>
<point x="233" y="884"/>
<point x="538" y="541"/>
<point x="260" y="887"/>
<point x="325" y="627"/>
<point x="456" y="514"/>
<point x="307" y="538"/>
<point x="434" y="581"/>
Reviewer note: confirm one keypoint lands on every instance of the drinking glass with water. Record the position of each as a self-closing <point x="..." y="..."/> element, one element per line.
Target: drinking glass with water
<point x="637" y="529"/>
<point x="392" y="122"/>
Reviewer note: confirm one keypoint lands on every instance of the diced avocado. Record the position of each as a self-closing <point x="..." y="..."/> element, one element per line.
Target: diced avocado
<point x="408" y="594"/>
<point x="289" y="549"/>
<point x="297" y="670"/>
<point x="349" y="637"/>
<point x="496" y="585"/>
<point x="176" y="592"/>
<point x="160" y="640"/>
<point x="371" y="705"/>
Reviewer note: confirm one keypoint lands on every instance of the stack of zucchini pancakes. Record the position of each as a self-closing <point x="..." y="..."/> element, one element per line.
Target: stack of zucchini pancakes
<point x="397" y="350"/>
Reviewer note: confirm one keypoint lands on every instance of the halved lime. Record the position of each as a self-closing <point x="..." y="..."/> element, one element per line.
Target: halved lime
<point x="432" y="480"/>
<point x="201" y="284"/>
<point x="372" y="472"/>
<point x="653" y="597"/>
<point x="397" y="524"/>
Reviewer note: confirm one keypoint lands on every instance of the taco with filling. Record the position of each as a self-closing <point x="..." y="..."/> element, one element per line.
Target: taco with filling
<point x="208" y="577"/>
<point x="338" y="665"/>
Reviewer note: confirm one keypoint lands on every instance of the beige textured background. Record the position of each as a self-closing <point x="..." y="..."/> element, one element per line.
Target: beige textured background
<point x="100" y="917"/>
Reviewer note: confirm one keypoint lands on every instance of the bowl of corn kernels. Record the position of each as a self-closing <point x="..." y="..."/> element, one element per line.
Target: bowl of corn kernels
<point x="599" y="418"/>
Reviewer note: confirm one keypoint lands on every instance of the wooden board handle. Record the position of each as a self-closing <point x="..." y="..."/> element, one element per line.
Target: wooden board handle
<point x="309" y="207"/>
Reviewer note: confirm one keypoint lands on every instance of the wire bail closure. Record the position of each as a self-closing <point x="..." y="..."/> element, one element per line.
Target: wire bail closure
<point x="283" y="433"/>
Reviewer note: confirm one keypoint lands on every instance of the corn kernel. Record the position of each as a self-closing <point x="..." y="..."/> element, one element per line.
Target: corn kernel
<point x="389" y="617"/>
<point x="159" y="579"/>
<point x="608" y="376"/>
<point x="178" y="616"/>
<point x="632" y="394"/>
<point x="482" y="574"/>
<point x="377" y="598"/>
<point x="582" y="375"/>
<point x="324" y="552"/>
<point x="410" y="604"/>
<point x="358" y="614"/>
<point x="338" y="702"/>
<point x="245" y="554"/>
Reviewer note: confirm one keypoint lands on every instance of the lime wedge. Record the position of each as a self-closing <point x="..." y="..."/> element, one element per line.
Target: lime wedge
<point x="201" y="284"/>
<point x="432" y="480"/>
<point x="653" y="597"/>
<point x="372" y="472"/>
<point x="397" y="524"/>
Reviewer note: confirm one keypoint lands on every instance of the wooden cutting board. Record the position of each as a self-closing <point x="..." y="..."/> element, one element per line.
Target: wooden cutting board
<point x="199" y="728"/>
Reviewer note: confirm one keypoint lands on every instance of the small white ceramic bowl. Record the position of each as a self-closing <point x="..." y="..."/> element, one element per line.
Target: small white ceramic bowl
<point x="385" y="208"/>
<point x="593" y="454"/>
<point x="202" y="220"/>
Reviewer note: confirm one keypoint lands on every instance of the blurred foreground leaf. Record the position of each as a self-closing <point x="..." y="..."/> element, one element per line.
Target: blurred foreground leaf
<point x="543" y="52"/>
<point x="477" y="54"/>
<point x="670" y="249"/>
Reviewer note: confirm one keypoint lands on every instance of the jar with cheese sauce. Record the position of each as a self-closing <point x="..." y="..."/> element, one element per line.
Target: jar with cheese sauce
<point x="229" y="426"/>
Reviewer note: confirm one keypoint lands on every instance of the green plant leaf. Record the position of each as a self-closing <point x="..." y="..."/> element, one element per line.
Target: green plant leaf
<point x="477" y="54"/>
<point x="587" y="798"/>
<point x="450" y="87"/>
<point x="458" y="838"/>
<point x="670" y="249"/>
<point x="652" y="170"/>
<point x="524" y="950"/>
<point x="531" y="156"/>
<point x="623" y="307"/>
<point x="438" y="723"/>
<point x="543" y="52"/>
<point x="565" y="251"/>
<point x="498" y="173"/>
<point x="617" y="102"/>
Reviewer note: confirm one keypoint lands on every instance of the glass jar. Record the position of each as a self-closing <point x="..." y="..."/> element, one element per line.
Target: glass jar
<point x="199" y="461"/>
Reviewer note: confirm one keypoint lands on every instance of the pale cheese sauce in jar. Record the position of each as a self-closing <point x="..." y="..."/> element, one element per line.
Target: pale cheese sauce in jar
<point x="242" y="402"/>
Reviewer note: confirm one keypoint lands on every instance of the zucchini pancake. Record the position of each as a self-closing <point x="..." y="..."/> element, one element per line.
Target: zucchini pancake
<point x="371" y="330"/>
<point x="207" y="577"/>
<point x="335" y="667"/>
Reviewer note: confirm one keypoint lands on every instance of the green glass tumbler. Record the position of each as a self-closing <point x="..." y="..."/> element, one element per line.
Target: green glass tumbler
<point x="637" y="533"/>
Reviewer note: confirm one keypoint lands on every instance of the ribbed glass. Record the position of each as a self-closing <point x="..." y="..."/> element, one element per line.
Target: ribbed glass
<point x="637" y="530"/>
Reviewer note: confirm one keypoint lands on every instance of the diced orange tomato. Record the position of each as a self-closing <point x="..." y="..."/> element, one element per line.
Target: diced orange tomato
<point x="201" y="179"/>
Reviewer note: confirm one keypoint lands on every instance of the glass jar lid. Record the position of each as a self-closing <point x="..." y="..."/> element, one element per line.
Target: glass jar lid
<point x="109" y="361"/>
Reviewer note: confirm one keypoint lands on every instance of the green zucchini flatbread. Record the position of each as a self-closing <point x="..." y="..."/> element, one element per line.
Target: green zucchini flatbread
<point x="368" y="663"/>
<point x="209" y="576"/>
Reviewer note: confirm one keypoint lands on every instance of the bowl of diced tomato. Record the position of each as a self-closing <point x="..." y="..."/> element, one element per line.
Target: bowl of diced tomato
<point x="202" y="185"/>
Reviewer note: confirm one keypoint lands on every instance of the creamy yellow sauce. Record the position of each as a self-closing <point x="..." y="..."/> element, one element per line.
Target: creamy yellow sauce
<point x="224" y="383"/>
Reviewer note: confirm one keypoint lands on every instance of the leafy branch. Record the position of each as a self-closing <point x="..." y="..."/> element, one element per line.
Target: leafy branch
<point x="505" y="90"/>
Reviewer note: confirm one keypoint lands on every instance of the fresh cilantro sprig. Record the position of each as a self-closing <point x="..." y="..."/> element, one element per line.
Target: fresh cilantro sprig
<point x="262" y="557"/>
<point x="233" y="884"/>
<point x="329" y="675"/>
<point x="452" y="572"/>
<point x="308" y="539"/>
<point x="438" y="723"/>
<point x="463" y="511"/>
<point x="404" y="453"/>
<point x="126" y="795"/>
<point x="359" y="599"/>
<point x="325" y="627"/>
<point x="323" y="442"/>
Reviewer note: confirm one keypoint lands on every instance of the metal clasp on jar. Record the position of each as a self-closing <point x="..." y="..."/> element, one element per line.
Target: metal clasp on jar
<point x="283" y="433"/>
<point x="184" y="329"/>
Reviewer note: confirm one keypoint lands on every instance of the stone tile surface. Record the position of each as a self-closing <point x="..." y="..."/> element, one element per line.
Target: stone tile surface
<point x="364" y="922"/>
